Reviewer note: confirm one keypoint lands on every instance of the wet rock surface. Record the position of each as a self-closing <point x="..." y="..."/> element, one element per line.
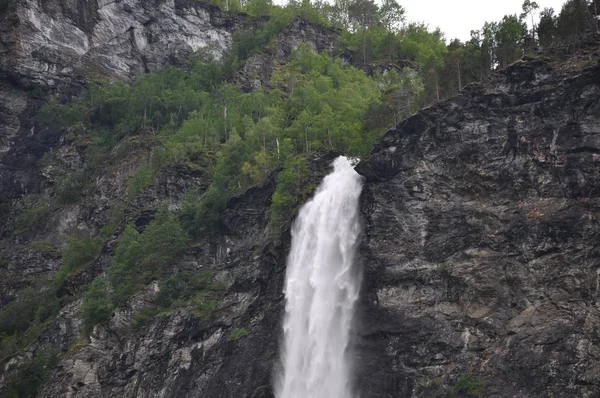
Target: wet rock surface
<point x="481" y="253"/>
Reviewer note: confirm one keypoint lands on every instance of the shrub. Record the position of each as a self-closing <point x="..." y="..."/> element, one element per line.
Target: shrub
<point x="208" y="211"/>
<point x="199" y="292"/>
<point x="467" y="384"/>
<point x="182" y="286"/>
<point x="97" y="306"/>
<point x="287" y="191"/>
<point x="141" y="257"/>
<point x="35" y="305"/>
<point x="32" y="376"/>
<point x="69" y="188"/>
<point x="139" y="180"/>
<point x="23" y="320"/>
<point x="78" y="253"/>
<point x="43" y="246"/>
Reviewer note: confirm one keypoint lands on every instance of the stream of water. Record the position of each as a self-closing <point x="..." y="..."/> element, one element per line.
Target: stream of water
<point x="322" y="287"/>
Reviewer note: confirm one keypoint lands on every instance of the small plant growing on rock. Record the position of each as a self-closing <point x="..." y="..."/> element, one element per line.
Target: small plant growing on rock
<point x="468" y="385"/>
<point x="78" y="253"/>
<point x="97" y="305"/>
<point x="238" y="334"/>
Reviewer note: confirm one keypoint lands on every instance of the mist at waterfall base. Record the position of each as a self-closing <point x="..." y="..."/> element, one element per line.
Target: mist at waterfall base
<point x="322" y="287"/>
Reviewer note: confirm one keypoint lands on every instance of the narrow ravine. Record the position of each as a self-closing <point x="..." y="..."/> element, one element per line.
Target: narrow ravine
<point x="322" y="286"/>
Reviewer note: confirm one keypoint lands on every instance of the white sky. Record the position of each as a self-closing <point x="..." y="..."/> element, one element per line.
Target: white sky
<point x="457" y="18"/>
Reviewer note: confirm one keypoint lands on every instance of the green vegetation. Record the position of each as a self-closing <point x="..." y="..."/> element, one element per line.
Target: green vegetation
<point x="238" y="334"/>
<point x="79" y="252"/>
<point x="69" y="188"/>
<point x="23" y="320"/>
<point x="468" y="385"/>
<point x="32" y="375"/>
<point x="116" y="215"/>
<point x="193" y="117"/>
<point x="141" y="257"/>
<point x="139" y="180"/>
<point x="287" y="192"/>
<point x="43" y="246"/>
<point x="97" y="306"/>
<point x="198" y="292"/>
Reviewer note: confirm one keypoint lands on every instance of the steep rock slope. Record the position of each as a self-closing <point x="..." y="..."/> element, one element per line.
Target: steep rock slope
<point x="58" y="45"/>
<point x="481" y="249"/>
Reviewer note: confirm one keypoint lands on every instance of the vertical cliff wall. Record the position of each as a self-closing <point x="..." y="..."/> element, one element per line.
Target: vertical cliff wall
<point x="481" y="253"/>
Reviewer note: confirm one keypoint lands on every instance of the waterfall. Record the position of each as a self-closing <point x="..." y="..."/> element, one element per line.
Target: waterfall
<point x="322" y="286"/>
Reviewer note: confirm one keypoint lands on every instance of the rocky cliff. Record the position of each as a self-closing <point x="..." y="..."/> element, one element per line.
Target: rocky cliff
<point x="481" y="250"/>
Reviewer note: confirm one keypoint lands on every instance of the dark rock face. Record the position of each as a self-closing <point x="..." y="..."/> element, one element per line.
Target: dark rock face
<point x="481" y="250"/>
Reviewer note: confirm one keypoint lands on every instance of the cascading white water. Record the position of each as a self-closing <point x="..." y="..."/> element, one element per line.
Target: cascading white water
<point x="322" y="286"/>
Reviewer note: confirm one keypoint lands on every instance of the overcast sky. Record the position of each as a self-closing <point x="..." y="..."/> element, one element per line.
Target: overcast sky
<point x="457" y="18"/>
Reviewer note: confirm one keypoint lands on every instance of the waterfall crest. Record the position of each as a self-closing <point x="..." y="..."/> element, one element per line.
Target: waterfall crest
<point x="322" y="286"/>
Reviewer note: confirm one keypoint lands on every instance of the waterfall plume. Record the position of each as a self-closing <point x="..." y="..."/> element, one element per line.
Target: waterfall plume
<point x="322" y="287"/>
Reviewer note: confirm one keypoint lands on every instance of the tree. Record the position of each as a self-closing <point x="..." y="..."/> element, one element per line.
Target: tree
<point x="575" y="20"/>
<point x="391" y="15"/>
<point x="546" y="28"/>
<point x="339" y="13"/>
<point x="363" y="14"/>
<point x="488" y="46"/>
<point x="510" y="38"/>
<point x="529" y="8"/>
<point x="97" y="305"/>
